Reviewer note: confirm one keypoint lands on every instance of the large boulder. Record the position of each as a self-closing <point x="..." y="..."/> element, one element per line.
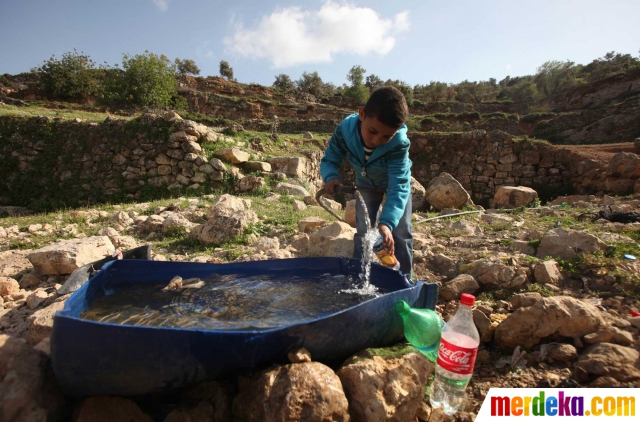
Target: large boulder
<point x="559" y="315"/>
<point x="567" y="244"/>
<point x="624" y="165"/>
<point x="606" y="359"/>
<point x="226" y="204"/>
<point x="514" y="196"/>
<point x="65" y="256"/>
<point x="28" y="391"/>
<point x="385" y="384"/>
<point x="445" y="191"/>
<point x="307" y="391"/>
<point x="335" y="239"/>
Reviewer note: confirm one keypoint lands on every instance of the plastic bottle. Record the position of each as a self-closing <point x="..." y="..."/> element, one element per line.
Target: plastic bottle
<point x="422" y="328"/>
<point x="383" y="255"/>
<point x="456" y="358"/>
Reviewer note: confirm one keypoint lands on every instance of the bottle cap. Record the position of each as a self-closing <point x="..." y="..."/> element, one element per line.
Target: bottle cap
<point x="467" y="299"/>
<point x="402" y="307"/>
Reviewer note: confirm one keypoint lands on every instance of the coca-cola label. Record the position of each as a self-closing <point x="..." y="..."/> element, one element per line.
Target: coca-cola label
<point x="459" y="360"/>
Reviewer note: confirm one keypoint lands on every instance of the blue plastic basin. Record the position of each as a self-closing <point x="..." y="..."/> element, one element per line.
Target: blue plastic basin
<point x="96" y="358"/>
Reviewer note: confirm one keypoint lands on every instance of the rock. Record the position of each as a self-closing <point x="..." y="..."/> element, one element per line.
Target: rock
<point x="625" y="165"/>
<point x="299" y="355"/>
<point x="491" y="274"/>
<point x="418" y="195"/>
<point x="307" y="391"/>
<point x="547" y="272"/>
<point x="335" y="239"/>
<point x="124" y="242"/>
<point x="8" y="286"/>
<point x="521" y="300"/>
<point x="466" y="227"/>
<point x="171" y="116"/>
<point x="226" y="205"/>
<point x="223" y="228"/>
<point x="175" y="222"/>
<point x="464" y="283"/>
<point x="605" y="382"/>
<point x="66" y="256"/>
<point x="482" y="323"/>
<point x="31" y="279"/>
<point x="250" y="183"/>
<point x="445" y="191"/>
<point x="109" y="409"/>
<point x="601" y="336"/>
<point x="612" y="360"/>
<point x="291" y="166"/>
<point x="523" y="247"/>
<point x="13" y="263"/>
<point x="266" y="243"/>
<point x="203" y="411"/>
<point x="559" y="315"/>
<point x="233" y="155"/>
<point x="442" y="265"/>
<point x="191" y="146"/>
<point x="514" y="196"/>
<point x="299" y="205"/>
<point x="334" y="205"/>
<point x="561" y="352"/>
<point x="289" y="189"/>
<point x="257" y="166"/>
<point x="567" y="244"/>
<point x="36" y="298"/>
<point x="310" y="224"/>
<point x="385" y="384"/>
<point x="219" y="394"/>
<point x="496" y="218"/>
<point x="28" y="390"/>
<point x="41" y="322"/>
<point x="350" y="213"/>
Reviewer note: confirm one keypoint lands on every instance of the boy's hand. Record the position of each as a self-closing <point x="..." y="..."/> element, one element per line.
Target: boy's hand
<point x="387" y="238"/>
<point x="330" y="186"/>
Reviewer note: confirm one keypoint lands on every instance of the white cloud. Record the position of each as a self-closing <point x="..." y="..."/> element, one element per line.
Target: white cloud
<point x="291" y="36"/>
<point x="162" y="4"/>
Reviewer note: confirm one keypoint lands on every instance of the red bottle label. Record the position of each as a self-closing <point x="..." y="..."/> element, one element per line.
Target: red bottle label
<point x="456" y="359"/>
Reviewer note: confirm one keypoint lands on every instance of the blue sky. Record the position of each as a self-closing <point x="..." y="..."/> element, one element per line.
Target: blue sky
<point x="412" y="40"/>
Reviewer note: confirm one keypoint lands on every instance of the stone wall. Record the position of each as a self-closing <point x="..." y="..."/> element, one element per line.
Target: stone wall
<point x="482" y="161"/>
<point x="52" y="162"/>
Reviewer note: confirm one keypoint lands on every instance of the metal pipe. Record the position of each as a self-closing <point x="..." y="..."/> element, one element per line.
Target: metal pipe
<point x="446" y="216"/>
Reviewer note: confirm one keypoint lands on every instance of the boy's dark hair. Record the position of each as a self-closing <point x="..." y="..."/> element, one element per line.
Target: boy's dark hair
<point x="388" y="105"/>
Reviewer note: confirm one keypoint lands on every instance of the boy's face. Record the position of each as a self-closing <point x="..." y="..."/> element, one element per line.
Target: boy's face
<point x="373" y="131"/>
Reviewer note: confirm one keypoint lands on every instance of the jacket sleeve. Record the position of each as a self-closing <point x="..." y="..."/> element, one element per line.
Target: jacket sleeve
<point x="399" y="187"/>
<point x="333" y="156"/>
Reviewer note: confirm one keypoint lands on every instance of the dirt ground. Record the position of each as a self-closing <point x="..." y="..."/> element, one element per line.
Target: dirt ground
<point x="602" y="152"/>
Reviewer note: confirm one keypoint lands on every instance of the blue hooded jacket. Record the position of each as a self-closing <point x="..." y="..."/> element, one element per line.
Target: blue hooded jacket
<point x="388" y="168"/>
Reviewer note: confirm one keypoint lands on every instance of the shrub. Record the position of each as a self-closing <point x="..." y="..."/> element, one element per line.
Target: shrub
<point x="148" y="80"/>
<point x="513" y="116"/>
<point x="430" y="121"/>
<point x="187" y="66"/>
<point x="419" y="104"/>
<point x="73" y="76"/>
<point x="470" y="115"/>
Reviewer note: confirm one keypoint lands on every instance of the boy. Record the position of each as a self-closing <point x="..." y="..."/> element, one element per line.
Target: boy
<point x="375" y="143"/>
